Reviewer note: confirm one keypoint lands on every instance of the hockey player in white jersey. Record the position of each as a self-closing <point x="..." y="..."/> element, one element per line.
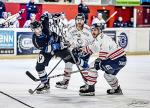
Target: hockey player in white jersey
<point x="78" y="35"/>
<point x="111" y="59"/>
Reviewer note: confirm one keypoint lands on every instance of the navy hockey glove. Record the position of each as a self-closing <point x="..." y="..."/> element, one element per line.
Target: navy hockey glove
<point x="48" y="49"/>
<point x="45" y="15"/>
<point x="56" y="46"/>
<point x="97" y="64"/>
<point x="65" y="44"/>
<point x="76" y="51"/>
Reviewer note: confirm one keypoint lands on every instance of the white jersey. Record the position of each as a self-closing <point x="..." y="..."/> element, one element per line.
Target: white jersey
<point x="96" y="20"/>
<point x="106" y="47"/>
<point x="79" y="38"/>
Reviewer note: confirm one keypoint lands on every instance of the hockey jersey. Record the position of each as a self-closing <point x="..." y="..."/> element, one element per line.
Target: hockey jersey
<point x="43" y="41"/>
<point x="59" y="28"/>
<point x="79" y="38"/>
<point x="106" y="47"/>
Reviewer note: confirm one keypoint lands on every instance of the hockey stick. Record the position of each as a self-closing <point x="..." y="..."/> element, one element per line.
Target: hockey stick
<point x="54" y="76"/>
<point x="13" y="16"/>
<point x="32" y="91"/>
<point x="111" y="16"/>
<point x="16" y="99"/>
<point x="77" y="65"/>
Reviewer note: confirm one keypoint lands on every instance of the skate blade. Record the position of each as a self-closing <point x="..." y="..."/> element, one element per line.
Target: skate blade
<point x="115" y="93"/>
<point x="62" y="87"/>
<point x="87" y="94"/>
<point x="43" y="92"/>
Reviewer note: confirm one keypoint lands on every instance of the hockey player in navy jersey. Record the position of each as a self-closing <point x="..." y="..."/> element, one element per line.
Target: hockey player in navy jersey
<point x="44" y="41"/>
<point x="111" y="60"/>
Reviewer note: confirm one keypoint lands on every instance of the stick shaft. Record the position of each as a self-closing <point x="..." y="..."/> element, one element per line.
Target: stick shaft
<point x="111" y="16"/>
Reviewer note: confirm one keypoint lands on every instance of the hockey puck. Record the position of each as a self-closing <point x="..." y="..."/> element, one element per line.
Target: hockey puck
<point x="30" y="91"/>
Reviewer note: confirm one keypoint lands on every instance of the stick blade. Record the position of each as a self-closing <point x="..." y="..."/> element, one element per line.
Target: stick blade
<point x="30" y="76"/>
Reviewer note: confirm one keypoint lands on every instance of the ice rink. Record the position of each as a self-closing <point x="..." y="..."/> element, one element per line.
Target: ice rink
<point x="134" y="79"/>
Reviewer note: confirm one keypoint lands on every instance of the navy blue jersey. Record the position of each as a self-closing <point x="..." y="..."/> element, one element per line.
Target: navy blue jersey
<point x="43" y="41"/>
<point x="40" y="41"/>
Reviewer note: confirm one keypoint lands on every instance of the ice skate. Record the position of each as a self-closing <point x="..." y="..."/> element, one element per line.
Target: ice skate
<point x="43" y="88"/>
<point x="83" y="87"/>
<point x="87" y="90"/>
<point x="117" y="91"/>
<point x="62" y="84"/>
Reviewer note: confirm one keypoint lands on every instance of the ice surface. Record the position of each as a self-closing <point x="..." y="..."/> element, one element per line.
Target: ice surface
<point x="134" y="79"/>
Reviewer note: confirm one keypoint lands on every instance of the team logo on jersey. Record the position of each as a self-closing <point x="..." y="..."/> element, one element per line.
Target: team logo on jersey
<point x="123" y="40"/>
<point x="40" y="58"/>
<point x="80" y="42"/>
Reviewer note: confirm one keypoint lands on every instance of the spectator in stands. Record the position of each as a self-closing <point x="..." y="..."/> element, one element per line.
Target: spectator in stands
<point x="13" y="23"/>
<point x="28" y="22"/>
<point x="98" y="19"/>
<point x="119" y="22"/>
<point x="130" y="23"/>
<point x="3" y="19"/>
<point x="31" y="8"/>
<point x="68" y="1"/>
<point x="2" y="8"/>
<point x="83" y="8"/>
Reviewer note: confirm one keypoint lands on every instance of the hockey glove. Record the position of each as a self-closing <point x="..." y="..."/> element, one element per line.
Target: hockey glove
<point x="76" y="50"/>
<point x="97" y="64"/>
<point x="56" y="46"/>
<point x="48" y="49"/>
<point x="21" y="11"/>
<point x="65" y="44"/>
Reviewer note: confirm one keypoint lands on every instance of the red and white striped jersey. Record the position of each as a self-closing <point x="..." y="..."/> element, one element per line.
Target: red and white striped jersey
<point x="106" y="47"/>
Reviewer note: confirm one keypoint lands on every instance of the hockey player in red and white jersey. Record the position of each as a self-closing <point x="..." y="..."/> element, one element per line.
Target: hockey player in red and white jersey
<point x="79" y="35"/>
<point x="111" y="59"/>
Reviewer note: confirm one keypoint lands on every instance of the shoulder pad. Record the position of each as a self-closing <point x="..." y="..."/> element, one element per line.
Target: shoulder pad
<point x="70" y="27"/>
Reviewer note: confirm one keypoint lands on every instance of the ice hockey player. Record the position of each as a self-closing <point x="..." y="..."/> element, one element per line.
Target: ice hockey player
<point x="78" y="35"/>
<point x="111" y="60"/>
<point x="50" y="44"/>
<point x="42" y="41"/>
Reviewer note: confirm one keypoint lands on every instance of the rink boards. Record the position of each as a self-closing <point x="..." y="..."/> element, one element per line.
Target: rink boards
<point x="19" y="41"/>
